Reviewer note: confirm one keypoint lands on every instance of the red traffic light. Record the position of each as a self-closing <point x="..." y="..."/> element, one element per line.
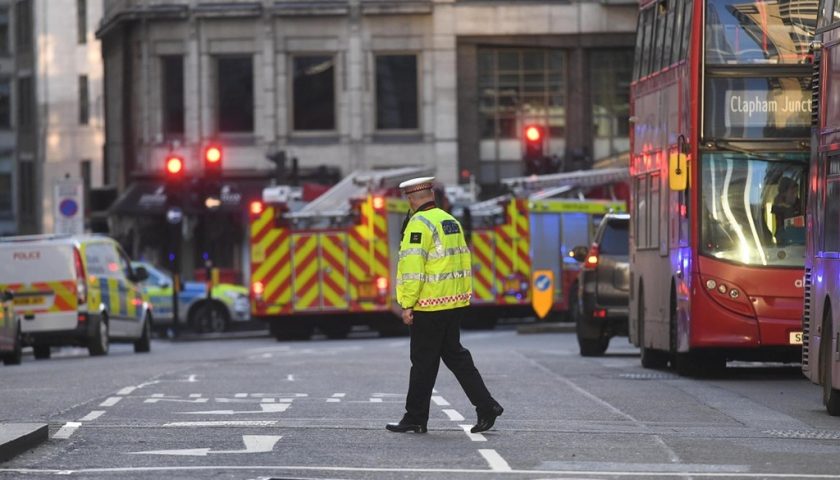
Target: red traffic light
<point x="533" y="133"/>
<point x="174" y="165"/>
<point x="213" y="155"/>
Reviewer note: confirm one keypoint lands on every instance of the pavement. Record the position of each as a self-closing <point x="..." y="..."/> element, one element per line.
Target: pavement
<point x="546" y="327"/>
<point x="16" y="438"/>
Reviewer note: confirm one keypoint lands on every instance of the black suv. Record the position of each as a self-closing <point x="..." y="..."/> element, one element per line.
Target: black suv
<point x="604" y="293"/>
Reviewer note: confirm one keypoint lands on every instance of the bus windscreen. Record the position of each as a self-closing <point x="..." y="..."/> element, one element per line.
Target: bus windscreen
<point x="759" y="31"/>
<point x="752" y="209"/>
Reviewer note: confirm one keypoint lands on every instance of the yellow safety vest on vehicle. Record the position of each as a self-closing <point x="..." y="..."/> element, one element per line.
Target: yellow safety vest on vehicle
<point x="435" y="269"/>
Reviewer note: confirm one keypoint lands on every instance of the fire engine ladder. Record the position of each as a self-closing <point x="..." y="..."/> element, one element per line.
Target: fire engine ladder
<point x="335" y="202"/>
<point x="538" y="187"/>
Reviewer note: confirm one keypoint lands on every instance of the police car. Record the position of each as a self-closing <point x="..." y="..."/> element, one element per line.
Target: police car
<point x="227" y="302"/>
<point x="76" y="290"/>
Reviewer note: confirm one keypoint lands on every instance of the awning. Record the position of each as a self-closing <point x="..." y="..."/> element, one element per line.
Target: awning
<point x="150" y="197"/>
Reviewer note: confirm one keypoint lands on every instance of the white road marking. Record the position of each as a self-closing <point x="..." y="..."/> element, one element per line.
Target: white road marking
<point x="225" y="423"/>
<point x="497" y="463"/>
<point x="160" y="398"/>
<point x="281" y="469"/>
<point x="475" y="437"/>
<point x="672" y="455"/>
<point x="453" y="415"/>
<point x="440" y="401"/>
<point x="126" y="391"/>
<point x="92" y="416"/>
<point x="191" y="378"/>
<point x="290" y="378"/>
<point x="195" y="395"/>
<point x="333" y="400"/>
<point x="339" y="395"/>
<point x="241" y="395"/>
<point x="66" y="430"/>
<point x="110" y="402"/>
<point x="375" y="400"/>
<point x="253" y="444"/>
<point x="265" y="408"/>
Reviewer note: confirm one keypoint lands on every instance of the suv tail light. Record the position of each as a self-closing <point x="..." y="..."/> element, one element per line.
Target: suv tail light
<point x="592" y="257"/>
<point x="81" y="277"/>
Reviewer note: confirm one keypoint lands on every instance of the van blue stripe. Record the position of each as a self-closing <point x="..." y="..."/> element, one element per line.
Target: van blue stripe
<point x="106" y="292"/>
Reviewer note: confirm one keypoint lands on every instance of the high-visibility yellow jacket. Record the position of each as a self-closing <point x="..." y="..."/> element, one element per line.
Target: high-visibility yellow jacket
<point x="435" y="269"/>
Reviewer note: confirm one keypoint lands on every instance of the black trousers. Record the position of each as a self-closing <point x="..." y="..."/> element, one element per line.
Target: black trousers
<point x="436" y="336"/>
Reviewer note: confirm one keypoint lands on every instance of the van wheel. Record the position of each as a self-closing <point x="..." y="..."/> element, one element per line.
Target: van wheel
<point x="15" y="357"/>
<point x="593" y="348"/>
<point x="144" y="343"/>
<point x="98" y="344"/>
<point x="42" y="352"/>
<point x="211" y="317"/>
<point x="831" y="396"/>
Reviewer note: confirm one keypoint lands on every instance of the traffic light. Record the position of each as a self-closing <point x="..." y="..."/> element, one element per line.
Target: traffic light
<point x="534" y="152"/>
<point x="213" y="162"/>
<point x="173" y="168"/>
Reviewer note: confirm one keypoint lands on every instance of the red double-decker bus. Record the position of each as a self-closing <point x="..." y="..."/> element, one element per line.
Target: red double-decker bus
<point x="821" y="314"/>
<point x="719" y="158"/>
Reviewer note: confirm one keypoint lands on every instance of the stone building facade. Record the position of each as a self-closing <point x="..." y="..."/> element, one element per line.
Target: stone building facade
<point x="359" y="84"/>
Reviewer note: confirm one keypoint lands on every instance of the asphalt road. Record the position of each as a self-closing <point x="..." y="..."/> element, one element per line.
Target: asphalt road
<point x="259" y="409"/>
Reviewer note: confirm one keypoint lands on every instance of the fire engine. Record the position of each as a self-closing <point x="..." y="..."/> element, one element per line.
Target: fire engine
<point x="330" y="264"/>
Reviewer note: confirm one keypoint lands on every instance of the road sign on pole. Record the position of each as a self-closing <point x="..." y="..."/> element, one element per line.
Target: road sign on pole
<point x="69" y="207"/>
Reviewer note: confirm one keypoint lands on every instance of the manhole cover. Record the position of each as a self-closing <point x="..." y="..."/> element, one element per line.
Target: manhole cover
<point x="805" y="434"/>
<point x="647" y="376"/>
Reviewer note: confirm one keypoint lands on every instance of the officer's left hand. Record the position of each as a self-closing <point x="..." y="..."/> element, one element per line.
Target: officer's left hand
<point x="408" y="316"/>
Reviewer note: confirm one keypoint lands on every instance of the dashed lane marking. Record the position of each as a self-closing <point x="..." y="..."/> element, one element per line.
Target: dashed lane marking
<point x="290" y="378"/>
<point x="110" y="402"/>
<point x="453" y="415"/>
<point x="496" y="462"/>
<point x="92" y="416"/>
<point x="475" y="437"/>
<point x="224" y="423"/>
<point x="440" y="401"/>
<point x="265" y="408"/>
<point x="375" y="400"/>
<point x="126" y="391"/>
<point x="66" y="430"/>
<point x="276" y="470"/>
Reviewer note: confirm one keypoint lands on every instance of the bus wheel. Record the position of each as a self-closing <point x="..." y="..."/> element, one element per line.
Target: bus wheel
<point x="650" y="358"/>
<point x="593" y="347"/>
<point x="831" y="396"/>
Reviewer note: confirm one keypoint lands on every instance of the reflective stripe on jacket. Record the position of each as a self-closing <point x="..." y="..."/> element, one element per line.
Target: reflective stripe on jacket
<point x="434" y="271"/>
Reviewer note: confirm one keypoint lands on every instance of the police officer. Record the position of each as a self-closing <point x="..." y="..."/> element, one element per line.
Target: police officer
<point x="434" y="285"/>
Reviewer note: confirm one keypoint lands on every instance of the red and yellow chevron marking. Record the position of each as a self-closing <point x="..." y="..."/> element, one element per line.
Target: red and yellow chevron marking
<point x="512" y="260"/>
<point x="484" y="273"/>
<point x="334" y="270"/>
<point x="65" y="297"/>
<point x="367" y="255"/>
<point x="271" y="263"/>
<point x="305" y="271"/>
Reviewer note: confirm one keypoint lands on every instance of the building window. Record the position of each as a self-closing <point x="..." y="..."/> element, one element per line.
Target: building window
<point x="235" y="83"/>
<point x="519" y="86"/>
<point x="84" y="100"/>
<point x="26" y="189"/>
<point x="173" y="95"/>
<point x="5" y="186"/>
<point x="396" y="92"/>
<point x="25" y="102"/>
<point x="4" y="30"/>
<point x="313" y="93"/>
<point x="81" y="21"/>
<point x="610" y="74"/>
<point x="5" y="104"/>
<point x="23" y="25"/>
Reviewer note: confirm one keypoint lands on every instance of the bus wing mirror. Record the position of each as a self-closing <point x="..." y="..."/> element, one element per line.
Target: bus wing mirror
<point x="678" y="171"/>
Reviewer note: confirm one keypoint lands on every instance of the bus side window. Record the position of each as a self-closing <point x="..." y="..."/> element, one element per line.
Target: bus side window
<point x="834" y="13"/>
<point x="678" y="27"/>
<point x="689" y="5"/>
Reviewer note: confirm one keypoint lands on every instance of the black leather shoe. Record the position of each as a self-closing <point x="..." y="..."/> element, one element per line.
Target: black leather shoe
<point x="487" y="420"/>
<point x="406" y="427"/>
